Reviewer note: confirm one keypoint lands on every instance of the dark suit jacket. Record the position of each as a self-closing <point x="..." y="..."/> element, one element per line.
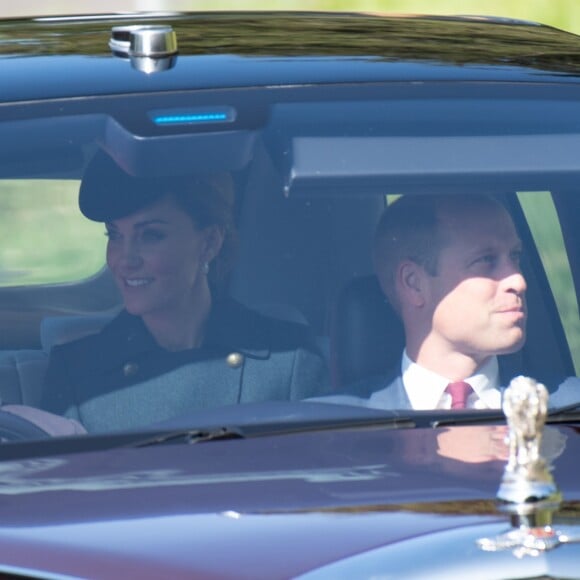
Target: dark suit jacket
<point x="120" y="378"/>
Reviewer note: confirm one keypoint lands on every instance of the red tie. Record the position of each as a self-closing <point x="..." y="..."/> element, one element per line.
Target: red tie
<point x="459" y="392"/>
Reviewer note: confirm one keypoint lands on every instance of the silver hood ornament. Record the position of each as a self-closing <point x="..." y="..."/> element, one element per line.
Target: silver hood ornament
<point x="527" y="485"/>
<point x="527" y="491"/>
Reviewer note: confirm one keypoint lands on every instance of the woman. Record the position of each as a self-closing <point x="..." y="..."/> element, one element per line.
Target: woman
<point x="179" y="342"/>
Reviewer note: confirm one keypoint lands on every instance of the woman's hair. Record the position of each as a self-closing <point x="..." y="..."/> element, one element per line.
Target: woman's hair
<point x="209" y="201"/>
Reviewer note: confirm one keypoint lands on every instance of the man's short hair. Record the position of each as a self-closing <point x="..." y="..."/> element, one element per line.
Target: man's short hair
<point x="409" y="230"/>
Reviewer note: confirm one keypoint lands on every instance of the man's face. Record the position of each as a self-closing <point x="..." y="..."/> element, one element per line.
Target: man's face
<point x="476" y="300"/>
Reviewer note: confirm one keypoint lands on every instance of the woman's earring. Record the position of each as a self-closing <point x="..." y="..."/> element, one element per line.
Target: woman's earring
<point x="206" y="268"/>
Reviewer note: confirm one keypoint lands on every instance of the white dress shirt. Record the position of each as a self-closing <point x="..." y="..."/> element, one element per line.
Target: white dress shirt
<point x="426" y="389"/>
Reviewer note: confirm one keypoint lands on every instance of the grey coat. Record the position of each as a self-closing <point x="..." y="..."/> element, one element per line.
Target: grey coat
<point x="120" y="378"/>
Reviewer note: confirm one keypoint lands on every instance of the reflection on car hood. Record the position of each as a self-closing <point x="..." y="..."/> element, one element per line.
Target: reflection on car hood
<point x="327" y="495"/>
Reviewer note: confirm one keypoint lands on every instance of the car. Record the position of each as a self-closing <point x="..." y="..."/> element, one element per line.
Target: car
<point x="321" y="120"/>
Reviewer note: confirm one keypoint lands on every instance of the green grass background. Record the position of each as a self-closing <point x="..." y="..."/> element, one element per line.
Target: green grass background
<point x="46" y="242"/>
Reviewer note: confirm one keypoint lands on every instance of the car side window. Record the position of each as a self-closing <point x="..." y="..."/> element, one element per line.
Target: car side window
<point x="44" y="239"/>
<point x="543" y="222"/>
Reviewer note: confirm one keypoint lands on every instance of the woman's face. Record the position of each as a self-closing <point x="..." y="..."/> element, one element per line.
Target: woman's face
<point x="157" y="257"/>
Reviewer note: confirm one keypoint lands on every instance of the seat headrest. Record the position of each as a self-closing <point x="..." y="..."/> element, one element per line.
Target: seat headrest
<point x="367" y="336"/>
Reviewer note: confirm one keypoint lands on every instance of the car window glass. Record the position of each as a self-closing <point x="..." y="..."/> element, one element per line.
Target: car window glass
<point x="543" y="222"/>
<point x="307" y="201"/>
<point x="43" y="237"/>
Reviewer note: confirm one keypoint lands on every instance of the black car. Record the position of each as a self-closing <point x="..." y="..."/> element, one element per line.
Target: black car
<point x="320" y="122"/>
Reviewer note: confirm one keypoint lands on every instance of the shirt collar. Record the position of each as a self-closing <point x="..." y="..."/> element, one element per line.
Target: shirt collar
<point x="485" y="383"/>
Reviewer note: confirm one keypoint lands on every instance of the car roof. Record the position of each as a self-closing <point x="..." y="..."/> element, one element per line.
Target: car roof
<point x="246" y="49"/>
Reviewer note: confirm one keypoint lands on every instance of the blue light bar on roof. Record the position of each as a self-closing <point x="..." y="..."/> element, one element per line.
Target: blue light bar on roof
<point x="197" y="116"/>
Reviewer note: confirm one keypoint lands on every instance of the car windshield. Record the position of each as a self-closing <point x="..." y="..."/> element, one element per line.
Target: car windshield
<point x="296" y="313"/>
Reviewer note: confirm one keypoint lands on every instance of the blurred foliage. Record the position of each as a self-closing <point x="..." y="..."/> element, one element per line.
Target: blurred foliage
<point x="561" y="13"/>
<point x="564" y="14"/>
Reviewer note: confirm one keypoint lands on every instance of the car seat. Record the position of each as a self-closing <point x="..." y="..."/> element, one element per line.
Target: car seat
<point x="367" y="336"/>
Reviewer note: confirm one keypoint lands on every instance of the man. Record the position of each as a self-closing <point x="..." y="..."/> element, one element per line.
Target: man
<point x="450" y="267"/>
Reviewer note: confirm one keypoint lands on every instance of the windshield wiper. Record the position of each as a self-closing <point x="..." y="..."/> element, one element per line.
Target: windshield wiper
<point x="189" y="436"/>
<point x="471" y="417"/>
<point x="556" y="415"/>
<point x="445" y="419"/>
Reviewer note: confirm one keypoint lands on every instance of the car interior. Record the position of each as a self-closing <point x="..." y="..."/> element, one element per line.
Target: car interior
<point x="308" y="200"/>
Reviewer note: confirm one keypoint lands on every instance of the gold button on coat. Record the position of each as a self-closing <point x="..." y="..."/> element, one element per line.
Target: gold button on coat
<point x="235" y="360"/>
<point x="130" y="369"/>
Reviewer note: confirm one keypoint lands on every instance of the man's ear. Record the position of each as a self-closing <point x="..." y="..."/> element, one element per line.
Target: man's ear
<point x="410" y="282"/>
<point x="213" y="241"/>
